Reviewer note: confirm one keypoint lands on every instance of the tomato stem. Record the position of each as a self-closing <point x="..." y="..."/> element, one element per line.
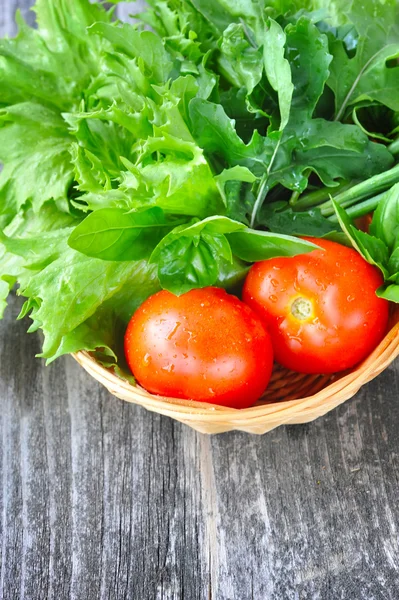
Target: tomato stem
<point x="301" y="308"/>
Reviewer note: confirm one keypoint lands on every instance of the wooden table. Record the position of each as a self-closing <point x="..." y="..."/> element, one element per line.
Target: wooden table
<point x="103" y="500"/>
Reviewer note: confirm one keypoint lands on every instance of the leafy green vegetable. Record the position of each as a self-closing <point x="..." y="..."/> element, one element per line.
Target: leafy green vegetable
<point x="253" y="245"/>
<point x="136" y="160"/>
<point x="34" y="145"/>
<point x="381" y="246"/>
<point x="112" y="234"/>
<point x="366" y="76"/>
<point x="279" y="217"/>
<point x="277" y="68"/>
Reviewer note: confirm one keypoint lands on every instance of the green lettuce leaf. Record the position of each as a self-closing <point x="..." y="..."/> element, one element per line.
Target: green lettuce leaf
<point x="34" y="145"/>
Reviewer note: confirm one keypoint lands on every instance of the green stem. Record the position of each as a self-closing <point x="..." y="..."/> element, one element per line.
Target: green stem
<point x="318" y="196"/>
<point x="394" y="147"/>
<point x="363" y="208"/>
<point x="263" y="187"/>
<point x="294" y="198"/>
<point x="295" y="195"/>
<point x="259" y="199"/>
<point x="378" y="183"/>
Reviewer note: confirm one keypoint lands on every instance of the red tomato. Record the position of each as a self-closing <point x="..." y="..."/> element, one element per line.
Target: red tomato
<point x="364" y="222"/>
<point x="204" y="345"/>
<point x="321" y="308"/>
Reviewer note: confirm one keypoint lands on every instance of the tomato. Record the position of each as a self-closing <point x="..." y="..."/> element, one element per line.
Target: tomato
<point x="364" y="222"/>
<point x="205" y="345"/>
<point x="320" y="308"/>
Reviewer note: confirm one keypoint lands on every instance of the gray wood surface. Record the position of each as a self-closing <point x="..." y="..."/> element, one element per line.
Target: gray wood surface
<point x="102" y="500"/>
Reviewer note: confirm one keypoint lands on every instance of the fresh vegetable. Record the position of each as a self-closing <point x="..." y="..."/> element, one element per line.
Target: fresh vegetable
<point x="321" y="309"/>
<point x="137" y="160"/>
<point x="203" y="345"/>
<point x="380" y="246"/>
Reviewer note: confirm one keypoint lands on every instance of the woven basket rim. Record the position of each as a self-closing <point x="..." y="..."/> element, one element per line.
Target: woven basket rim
<point x="274" y="413"/>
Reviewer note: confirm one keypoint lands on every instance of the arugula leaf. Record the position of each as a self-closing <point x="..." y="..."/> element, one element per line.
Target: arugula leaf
<point x="277" y="68"/>
<point x="280" y="218"/>
<point x="308" y="55"/>
<point x="366" y="76"/>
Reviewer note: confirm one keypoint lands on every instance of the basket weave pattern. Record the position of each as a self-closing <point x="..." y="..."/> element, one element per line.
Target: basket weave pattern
<point x="290" y="398"/>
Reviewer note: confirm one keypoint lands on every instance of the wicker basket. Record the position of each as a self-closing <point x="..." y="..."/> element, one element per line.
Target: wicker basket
<point x="290" y="398"/>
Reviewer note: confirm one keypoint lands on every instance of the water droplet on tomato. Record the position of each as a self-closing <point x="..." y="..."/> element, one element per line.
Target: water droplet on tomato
<point x="273" y="298"/>
<point x="294" y="338"/>
<point x="147" y="359"/>
<point x="350" y="298"/>
<point x="274" y="282"/>
<point x="175" y="328"/>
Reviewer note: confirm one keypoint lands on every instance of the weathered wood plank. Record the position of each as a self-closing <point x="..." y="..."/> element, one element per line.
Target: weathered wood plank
<point x="99" y="498"/>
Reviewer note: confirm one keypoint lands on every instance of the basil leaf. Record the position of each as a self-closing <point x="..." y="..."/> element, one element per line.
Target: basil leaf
<point x="373" y="249"/>
<point x="385" y="223"/>
<point x="112" y="234"/>
<point x="190" y="262"/>
<point x="191" y="255"/>
<point x="251" y="245"/>
<point x="391" y="293"/>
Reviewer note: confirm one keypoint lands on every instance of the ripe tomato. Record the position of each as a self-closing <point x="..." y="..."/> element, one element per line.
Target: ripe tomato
<point x="364" y="222"/>
<point x="321" y="308"/>
<point x="205" y="345"/>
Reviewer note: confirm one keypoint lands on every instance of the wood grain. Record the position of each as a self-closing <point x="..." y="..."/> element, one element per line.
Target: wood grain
<point x="101" y="500"/>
